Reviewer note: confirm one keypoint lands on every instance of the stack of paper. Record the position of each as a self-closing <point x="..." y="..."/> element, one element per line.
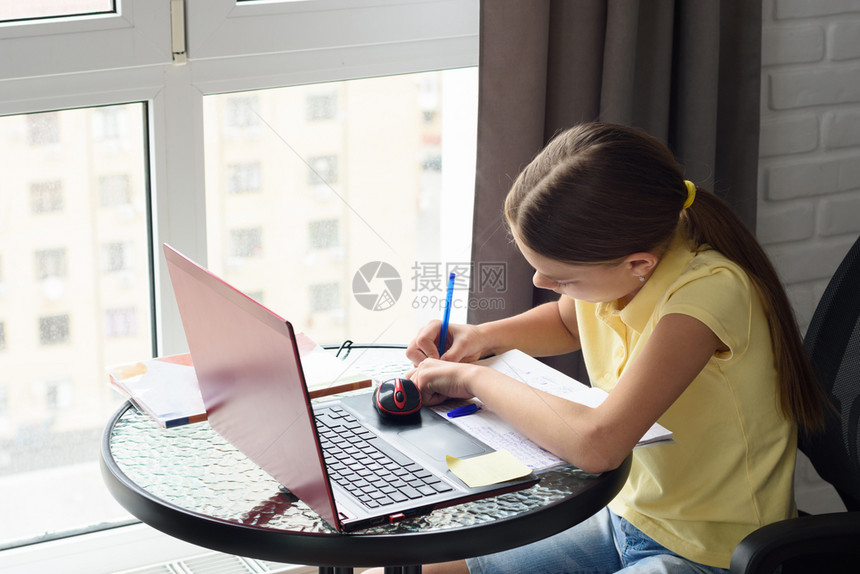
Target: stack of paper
<point x="165" y="388"/>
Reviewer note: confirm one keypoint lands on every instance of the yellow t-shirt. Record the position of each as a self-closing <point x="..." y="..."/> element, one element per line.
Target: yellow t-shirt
<point x="731" y="469"/>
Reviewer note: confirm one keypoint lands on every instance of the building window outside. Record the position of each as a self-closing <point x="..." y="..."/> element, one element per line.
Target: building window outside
<point x="244" y="178"/>
<point x="46" y="196"/>
<point x="432" y="162"/>
<point x="115" y="256"/>
<point x="324" y="233"/>
<point x="54" y="330"/>
<point x="321" y="107"/>
<point x="324" y="297"/>
<point x="114" y="190"/>
<point x="50" y="263"/>
<point x="120" y="322"/>
<point x="241" y="118"/>
<point x="108" y="124"/>
<point x="323" y="170"/>
<point x="43" y="129"/>
<point x="246" y="242"/>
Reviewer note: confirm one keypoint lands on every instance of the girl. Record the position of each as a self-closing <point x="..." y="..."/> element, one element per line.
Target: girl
<point x="681" y="318"/>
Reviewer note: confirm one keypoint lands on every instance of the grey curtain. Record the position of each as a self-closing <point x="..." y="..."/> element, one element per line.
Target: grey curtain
<point x="686" y="71"/>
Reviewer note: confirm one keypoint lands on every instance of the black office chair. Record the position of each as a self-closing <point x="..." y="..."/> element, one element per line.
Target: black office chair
<point x="824" y="542"/>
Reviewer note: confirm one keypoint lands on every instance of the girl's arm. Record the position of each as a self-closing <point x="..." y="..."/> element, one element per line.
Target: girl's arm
<point x="549" y="329"/>
<point x="593" y="439"/>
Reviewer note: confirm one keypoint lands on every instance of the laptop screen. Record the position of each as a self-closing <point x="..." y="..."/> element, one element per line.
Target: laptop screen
<point x="250" y="376"/>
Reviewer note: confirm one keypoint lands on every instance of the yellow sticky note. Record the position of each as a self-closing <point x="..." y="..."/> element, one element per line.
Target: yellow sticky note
<point x="492" y="468"/>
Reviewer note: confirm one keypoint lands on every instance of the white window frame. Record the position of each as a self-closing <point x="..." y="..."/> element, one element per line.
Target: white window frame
<point x="128" y="57"/>
<point x="138" y="34"/>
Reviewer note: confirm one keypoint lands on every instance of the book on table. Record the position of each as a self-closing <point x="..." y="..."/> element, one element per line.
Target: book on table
<point x="166" y="387"/>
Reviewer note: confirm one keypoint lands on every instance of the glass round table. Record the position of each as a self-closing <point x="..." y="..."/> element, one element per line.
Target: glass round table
<point x="192" y="484"/>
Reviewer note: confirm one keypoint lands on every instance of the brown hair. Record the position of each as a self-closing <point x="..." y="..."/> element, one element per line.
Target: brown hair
<point x="599" y="192"/>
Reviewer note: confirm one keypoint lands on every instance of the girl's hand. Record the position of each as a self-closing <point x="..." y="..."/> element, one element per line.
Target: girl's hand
<point x="465" y="343"/>
<point x="441" y="380"/>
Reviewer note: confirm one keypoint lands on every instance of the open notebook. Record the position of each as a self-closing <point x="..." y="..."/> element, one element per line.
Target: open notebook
<point x="494" y="431"/>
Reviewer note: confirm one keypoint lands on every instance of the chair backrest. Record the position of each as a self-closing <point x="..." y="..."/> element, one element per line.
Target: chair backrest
<point x="833" y="344"/>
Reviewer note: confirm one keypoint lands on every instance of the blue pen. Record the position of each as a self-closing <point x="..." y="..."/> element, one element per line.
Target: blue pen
<point x="443" y="335"/>
<point x="463" y="411"/>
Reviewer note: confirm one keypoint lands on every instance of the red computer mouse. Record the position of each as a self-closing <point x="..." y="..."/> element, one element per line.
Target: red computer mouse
<point x="397" y="399"/>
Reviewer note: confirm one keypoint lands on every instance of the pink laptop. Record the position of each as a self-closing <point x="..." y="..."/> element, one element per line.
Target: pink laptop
<point x="253" y="387"/>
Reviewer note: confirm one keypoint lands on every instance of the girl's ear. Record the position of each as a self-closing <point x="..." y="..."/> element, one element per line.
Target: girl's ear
<point x="642" y="264"/>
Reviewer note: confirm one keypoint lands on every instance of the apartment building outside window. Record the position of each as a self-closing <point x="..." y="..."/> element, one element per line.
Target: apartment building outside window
<point x="282" y="158"/>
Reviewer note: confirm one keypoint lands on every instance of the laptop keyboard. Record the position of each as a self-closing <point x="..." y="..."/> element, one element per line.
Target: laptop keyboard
<point x="366" y="466"/>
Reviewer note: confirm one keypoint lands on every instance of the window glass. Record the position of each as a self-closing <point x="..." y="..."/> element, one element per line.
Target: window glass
<point x="74" y="298"/>
<point x="33" y="9"/>
<point x="362" y="200"/>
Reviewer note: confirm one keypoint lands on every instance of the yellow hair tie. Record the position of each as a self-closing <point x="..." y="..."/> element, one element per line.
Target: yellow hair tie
<point x="691" y="193"/>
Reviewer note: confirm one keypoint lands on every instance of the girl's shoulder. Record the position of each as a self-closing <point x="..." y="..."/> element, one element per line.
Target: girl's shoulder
<point x="718" y="292"/>
<point x="707" y="262"/>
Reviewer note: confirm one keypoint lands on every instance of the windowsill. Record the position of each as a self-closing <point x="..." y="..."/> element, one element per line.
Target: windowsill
<point x="103" y="552"/>
<point x="132" y="549"/>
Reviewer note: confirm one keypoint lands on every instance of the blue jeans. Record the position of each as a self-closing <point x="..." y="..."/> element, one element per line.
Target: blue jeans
<point x="602" y="544"/>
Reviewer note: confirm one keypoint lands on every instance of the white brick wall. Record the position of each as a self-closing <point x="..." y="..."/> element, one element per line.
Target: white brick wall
<point x="809" y="170"/>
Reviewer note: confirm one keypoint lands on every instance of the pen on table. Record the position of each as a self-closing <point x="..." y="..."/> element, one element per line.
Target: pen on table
<point x="443" y="335"/>
<point x="463" y="411"/>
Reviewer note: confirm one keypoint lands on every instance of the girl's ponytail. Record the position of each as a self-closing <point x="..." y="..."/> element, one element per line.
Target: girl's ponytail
<point x="710" y="220"/>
